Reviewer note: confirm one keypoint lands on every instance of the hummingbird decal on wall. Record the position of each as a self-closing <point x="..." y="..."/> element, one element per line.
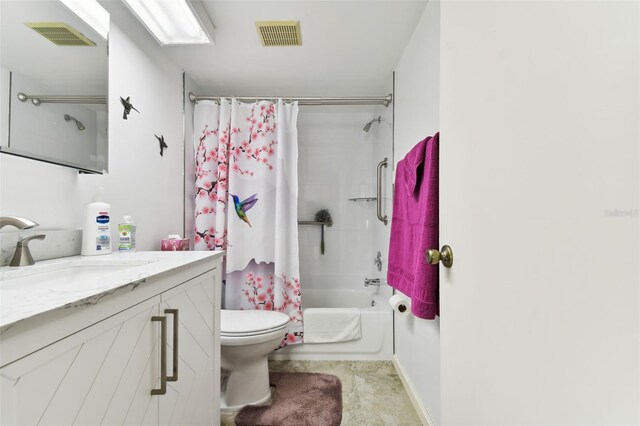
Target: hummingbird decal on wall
<point x="163" y="145"/>
<point x="126" y="103"/>
<point x="243" y="206"/>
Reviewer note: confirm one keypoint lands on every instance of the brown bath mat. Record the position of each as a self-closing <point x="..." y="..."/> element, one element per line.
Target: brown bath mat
<point x="299" y="399"/>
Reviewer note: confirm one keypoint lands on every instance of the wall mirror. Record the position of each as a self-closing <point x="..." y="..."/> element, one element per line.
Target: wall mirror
<point x="53" y="88"/>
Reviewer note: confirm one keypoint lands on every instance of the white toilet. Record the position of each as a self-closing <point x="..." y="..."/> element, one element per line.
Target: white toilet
<point x="247" y="338"/>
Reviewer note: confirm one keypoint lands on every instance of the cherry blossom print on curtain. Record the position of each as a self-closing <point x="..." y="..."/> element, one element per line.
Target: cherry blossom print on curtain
<point x="246" y="203"/>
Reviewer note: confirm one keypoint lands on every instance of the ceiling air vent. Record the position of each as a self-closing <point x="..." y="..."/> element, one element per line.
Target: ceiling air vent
<point x="279" y="33"/>
<point x="60" y="33"/>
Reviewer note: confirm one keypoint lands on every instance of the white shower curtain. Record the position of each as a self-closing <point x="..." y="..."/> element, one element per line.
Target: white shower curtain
<point x="246" y="202"/>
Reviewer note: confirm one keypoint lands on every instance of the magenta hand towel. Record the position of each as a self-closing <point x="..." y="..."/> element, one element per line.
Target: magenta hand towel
<point x="414" y="229"/>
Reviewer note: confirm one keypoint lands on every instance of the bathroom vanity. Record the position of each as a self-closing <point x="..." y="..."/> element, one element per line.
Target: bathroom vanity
<point x="116" y="339"/>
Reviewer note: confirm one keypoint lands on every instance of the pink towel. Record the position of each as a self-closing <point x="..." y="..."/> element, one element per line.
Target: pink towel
<point x="414" y="229"/>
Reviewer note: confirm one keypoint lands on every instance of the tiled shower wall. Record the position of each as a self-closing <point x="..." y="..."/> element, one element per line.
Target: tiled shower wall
<point x="337" y="161"/>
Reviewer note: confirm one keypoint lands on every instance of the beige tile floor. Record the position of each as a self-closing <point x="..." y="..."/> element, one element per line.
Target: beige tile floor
<point x="372" y="393"/>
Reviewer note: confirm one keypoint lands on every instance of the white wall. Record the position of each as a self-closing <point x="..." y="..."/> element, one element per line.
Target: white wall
<point x="417" y="101"/>
<point x="139" y="182"/>
<point x="540" y="111"/>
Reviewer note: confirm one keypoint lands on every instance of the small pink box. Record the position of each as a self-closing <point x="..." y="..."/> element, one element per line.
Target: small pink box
<point x="175" y="243"/>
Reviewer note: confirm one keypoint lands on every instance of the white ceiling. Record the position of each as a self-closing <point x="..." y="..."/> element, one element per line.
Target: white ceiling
<point x="349" y="48"/>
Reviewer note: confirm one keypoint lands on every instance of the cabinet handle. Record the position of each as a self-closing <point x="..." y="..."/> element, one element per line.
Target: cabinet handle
<point x="163" y="356"/>
<point x="174" y="376"/>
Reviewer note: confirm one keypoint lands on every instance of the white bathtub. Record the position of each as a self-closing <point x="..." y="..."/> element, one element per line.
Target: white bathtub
<point x="376" y="323"/>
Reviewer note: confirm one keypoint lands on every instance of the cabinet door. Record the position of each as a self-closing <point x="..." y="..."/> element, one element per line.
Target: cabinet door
<point x="190" y="399"/>
<point x="101" y="375"/>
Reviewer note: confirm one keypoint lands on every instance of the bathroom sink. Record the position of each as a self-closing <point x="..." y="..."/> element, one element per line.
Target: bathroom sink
<point x="66" y="275"/>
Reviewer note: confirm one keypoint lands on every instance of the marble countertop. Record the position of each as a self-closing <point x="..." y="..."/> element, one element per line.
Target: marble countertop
<point x="54" y="284"/>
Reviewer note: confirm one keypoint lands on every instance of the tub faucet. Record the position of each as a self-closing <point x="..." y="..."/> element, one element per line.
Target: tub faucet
<point x="18" y="222"/>
<point x="371" y="281"/>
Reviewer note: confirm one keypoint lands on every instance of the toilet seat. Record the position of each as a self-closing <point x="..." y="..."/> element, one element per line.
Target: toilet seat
<point x="239" y="322"/>
<point x="253" y="333"/>
<point x="252" y="339"/>
<point x="238" y="327"/>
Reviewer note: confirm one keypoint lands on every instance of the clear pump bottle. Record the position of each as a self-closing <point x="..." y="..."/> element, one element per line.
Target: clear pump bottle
<point x="127" y="235"/>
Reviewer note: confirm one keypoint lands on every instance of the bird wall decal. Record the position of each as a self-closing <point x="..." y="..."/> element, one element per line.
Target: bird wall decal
<point x="126" y="103"/>
<point x="243" y="206"/>
<point x="163" y="145"/>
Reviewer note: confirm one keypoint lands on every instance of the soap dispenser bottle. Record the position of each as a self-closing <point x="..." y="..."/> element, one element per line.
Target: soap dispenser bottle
<point x="127" y="235"/>
<point x="96" y="233"/>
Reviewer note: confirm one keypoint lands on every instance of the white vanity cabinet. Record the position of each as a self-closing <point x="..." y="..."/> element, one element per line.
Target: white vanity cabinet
<point x="188" y="399"/>
<point x="99" y="373"/>
<point x="104" y="371"/>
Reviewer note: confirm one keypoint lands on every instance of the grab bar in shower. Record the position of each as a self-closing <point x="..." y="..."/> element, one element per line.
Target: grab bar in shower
<point x="381" y="217"/>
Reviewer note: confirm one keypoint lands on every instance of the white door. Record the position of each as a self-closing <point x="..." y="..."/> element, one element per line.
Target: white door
<point x="539" y="199"/>
<point x="190" y="398"/>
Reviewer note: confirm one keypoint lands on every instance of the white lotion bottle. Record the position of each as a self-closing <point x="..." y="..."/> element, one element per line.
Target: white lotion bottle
<point x="96" y="233"/>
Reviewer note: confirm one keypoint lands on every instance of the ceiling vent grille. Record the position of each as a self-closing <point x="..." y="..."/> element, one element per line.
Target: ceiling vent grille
<point x="60" y="33"/>
<point x="279" y="33"/>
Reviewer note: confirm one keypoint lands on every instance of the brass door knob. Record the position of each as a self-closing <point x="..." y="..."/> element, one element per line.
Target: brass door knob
<point x="445" y="255"/>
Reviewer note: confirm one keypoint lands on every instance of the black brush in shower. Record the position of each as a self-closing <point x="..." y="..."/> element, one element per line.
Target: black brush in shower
<point x="324" y="217"/>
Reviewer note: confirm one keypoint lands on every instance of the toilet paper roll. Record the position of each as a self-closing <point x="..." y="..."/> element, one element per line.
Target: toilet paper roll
<point x="400" y="304"/>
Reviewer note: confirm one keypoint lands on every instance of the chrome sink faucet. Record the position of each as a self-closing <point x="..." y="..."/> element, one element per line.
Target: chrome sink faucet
<point x="18" y="222"/>
<point x="22" y="255"/>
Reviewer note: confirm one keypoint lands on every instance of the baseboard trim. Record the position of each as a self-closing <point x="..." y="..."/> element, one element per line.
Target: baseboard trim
<point x="422" y="413"/>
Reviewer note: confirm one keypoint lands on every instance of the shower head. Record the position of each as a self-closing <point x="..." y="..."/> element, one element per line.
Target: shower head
<point x="367" y="126"/>
<point x="79" y="124"/>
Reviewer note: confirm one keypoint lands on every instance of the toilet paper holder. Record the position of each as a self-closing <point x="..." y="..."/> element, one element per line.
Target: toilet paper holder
<point x="400" y="304"/>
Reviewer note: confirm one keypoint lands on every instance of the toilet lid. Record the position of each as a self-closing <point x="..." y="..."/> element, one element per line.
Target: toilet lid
<point x="251" y="322"/>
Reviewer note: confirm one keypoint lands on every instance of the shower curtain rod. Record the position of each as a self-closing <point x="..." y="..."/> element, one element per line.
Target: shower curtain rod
<point x="302" y="101"/>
